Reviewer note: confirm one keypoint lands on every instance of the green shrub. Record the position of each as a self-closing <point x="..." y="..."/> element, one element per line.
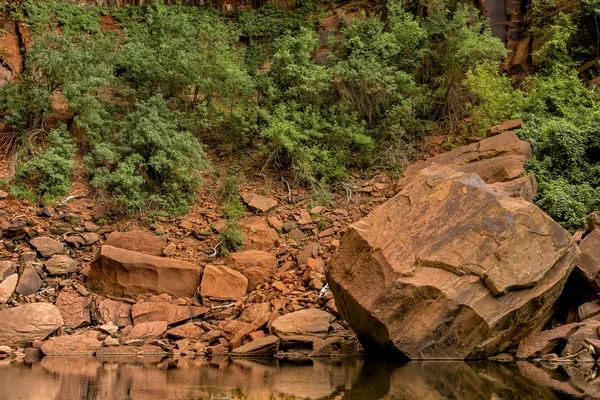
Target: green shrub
<point x="51" y="170"/>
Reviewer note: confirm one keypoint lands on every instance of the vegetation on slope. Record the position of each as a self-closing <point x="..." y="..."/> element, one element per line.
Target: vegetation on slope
<point x="140" y="98"/>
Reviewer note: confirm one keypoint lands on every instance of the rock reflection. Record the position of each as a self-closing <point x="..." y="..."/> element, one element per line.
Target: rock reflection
<point x="112" y="378"/>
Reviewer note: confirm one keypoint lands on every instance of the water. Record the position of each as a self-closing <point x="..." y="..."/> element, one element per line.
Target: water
<point x="121" y="378"/>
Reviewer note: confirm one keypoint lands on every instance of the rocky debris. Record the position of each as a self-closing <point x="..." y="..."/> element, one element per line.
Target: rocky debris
<point x="588" y="264"/>
<point x="254" y="312"/>
<point x="546" y="342"/>
<point x="74" y="309"/>
<point x="125" y="273"/>
<point x="147" y="330"/>
<point x="60" y="265"/>
<point x="266" y="346"/>
<point x="301" y="328"/>
<point x="222" y="283"/>
<point x="152" y="311"/>
<point x="336" y="346"/>
<point x="86" y="343"/>
<point x="575" y="342"/>
<point x="257" y="202"/>
<point x="24" y="324"/>
<point x="505" y="126"/>
<point x="7" y="288"/>
<point x="256" y="265"/>
<point x="114" y="312"/>
<point x="140" y="242"/>
<point x="29" y="281"/>
<point x="7" y="268"/>
<point x="258" y="234"/>
<point x="494" y="268"/>
<point x="500" y="158"/>
<point x="46" y="246"/>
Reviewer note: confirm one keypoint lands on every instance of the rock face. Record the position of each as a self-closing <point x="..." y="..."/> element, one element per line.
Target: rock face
<point x="29" y="322"/>
<point x="137" y="241"/>
<point x="450" y="269"/>
<point x="126" y="273"/>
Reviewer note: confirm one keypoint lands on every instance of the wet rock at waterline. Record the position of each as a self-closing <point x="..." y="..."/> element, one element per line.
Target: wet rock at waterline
<point x="24" y="324"/>
<point x="450" y="269"/>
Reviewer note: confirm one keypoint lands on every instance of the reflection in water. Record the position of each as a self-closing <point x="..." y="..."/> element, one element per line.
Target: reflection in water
<point x="121" y="378"/>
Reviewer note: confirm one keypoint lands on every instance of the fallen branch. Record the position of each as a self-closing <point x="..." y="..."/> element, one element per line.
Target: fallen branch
<point x="215" y="250"/>
<point x="222" y="307"/>
<point x="72" y="197"/>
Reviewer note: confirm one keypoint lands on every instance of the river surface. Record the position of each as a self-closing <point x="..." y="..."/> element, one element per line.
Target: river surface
<point x="122" y="378"/>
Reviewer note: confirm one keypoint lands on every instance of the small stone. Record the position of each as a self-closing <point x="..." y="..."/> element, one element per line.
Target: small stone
<point x="268" y="345"/>
<point x="170" y="249"/>
<point x="326" y="233"/>
<point x="297" y="235"/>
<point x="30" y="281"/>
<point x="275" y="222"/>
<point x="46" y="246"/>
<point x="257" y="202"/>
<point x="109" y="328"/>
<point x="81" y="289"/>
<point x="111" y="341"/>
<point x="5" y="350"/>
<point x="289" y="226"/>
<point x="7" y="288"/>
<point x="589" y="310"/>
<point x="185" y="224"/>
<point x="61" y="265"/>
<point x="90" y="226"/>
<point x="7" y="268"/>
<point x="317" y="210"/>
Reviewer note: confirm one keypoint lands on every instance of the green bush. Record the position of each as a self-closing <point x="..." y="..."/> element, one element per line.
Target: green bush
<point x="51" y="170"/>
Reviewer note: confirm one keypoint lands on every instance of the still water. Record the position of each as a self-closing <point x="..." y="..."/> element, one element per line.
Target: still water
<point x="121" y="378"/>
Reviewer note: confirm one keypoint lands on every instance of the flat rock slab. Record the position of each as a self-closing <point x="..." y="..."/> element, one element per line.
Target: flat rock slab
<point x="257" y="202"/>
<point x="449" y="268"/>
<point x="46" y="246"/>
<point x="266" y="346"/>
<point x="24" y="324"/>
<point x="147" y="330"/>
<point x="302" y="327"/>
<point x="125" y="273"/>
<point x="141" y="242"/>
<point x="74" y="345"/>
<point x="60" y="265"/>
<point x="545" y="342"/>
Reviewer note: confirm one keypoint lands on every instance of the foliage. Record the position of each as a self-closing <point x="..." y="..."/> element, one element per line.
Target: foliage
<point x="51" y="169"/>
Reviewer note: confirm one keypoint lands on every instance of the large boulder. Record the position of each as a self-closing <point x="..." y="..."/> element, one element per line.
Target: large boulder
<point x="450" y="269"/>
<point x="24" y="324"/>
<point x="127" y="273"/>
<point x="75" y="309"/>
<point x="302" y="327"/>
<point x="84" y="344"/>
<point x="220" y="282"/>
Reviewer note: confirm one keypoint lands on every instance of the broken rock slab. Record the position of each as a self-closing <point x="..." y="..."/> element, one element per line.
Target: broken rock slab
<point x="266" y="346"/>
<point x="588" y="264"/>
<point x="470" y="287"/>
<point x="257" y="202"/>
<point x="85" y="344"/>
<point x="256" y="265"/>
<point x="301" y="328"/>
<point x="125" y="273"/>
<point x="75" y="309"/>
<point x="46" y="246"/>
<point x="164" y="311"/>
<point x="258" y="234"/>
<point x="34" y="321"/>
<point x="7" y="288"/>
<point x="546" y="342"/>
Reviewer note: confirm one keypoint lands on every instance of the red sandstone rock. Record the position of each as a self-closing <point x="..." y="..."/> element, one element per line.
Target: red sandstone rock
<point x="117" y="312"/>
<point x="448" y="268"/>
<point x="257" y="202"/>
<point x="82" y="344"/>
<point x="141" y="242"/>
<point x="220" y="282"/>
<point x="164" y="311"/>
<point x="24" y="324"/>
<point x="302" y="327"/>
<point x="545" y="342"/>
<point x="126" y="273"/>
<point x="74" y="309"/>
<point x="256" y="265"/>
<point x="258" y="234"/>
